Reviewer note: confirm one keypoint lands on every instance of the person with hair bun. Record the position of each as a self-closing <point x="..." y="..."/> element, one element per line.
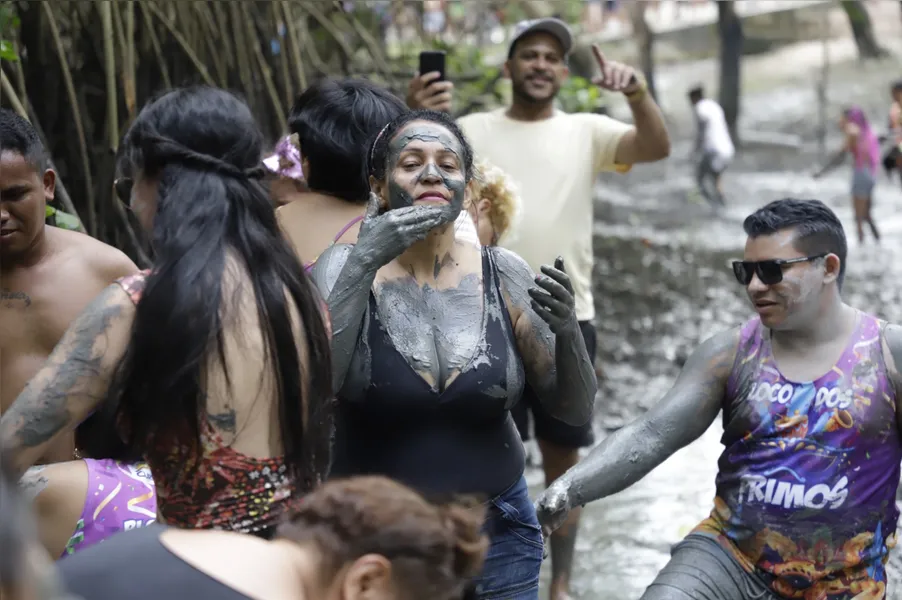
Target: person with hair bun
<point x="214" y="363"/>
<point x="365" y="538"/>
<point x="435" y="338"/>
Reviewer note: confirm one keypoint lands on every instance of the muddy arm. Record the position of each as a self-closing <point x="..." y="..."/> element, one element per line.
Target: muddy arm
<point x="892" y="355"/>
<point x="73" y="381"/>
<point x="557" y="366"/>
<point x="344" y="275"/>
<point x="681" y="417"/>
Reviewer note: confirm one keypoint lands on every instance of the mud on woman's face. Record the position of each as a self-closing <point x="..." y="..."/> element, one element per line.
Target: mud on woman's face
<point x="426" y="166"/>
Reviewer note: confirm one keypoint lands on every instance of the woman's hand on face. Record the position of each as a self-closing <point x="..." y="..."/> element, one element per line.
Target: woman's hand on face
<point x="383" y="237"/>
<point x="553" y="299"/>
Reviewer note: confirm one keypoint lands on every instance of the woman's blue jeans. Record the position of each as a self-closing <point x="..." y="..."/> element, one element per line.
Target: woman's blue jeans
<point x="514" y="559"/>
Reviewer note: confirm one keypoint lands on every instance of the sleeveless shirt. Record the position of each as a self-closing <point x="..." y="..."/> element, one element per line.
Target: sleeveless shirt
<point x="461" y="440"/>
<point x="806" y="488"/>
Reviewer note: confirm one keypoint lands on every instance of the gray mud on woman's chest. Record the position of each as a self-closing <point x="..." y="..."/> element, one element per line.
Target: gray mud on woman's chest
<point x="438" y="331"/>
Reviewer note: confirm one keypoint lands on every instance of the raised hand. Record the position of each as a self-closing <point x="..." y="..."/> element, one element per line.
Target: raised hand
<point x="616" y="76"/>
<point x="386" y="235"/>
<point x="426" y="91"/>
<point x="553" y="506"/>
<point x="553" y="300"/>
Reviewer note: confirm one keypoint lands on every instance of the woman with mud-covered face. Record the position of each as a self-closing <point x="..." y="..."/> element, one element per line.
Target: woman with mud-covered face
<point x="435" y="338"/>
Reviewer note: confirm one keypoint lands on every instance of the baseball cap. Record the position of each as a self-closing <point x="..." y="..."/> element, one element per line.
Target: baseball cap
<point x="555" y="27"/>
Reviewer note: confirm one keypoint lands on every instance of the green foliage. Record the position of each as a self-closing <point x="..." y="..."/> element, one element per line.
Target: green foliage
<point x="9" y="23"/>
<point x="578" y="94"/>
<point x="61" y="219"/>
<point x="476" y="85"/>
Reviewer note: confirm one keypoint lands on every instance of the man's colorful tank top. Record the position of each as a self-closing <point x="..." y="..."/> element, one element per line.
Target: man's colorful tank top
<point x="806" y="489"/>
<point x="120" y="497"/>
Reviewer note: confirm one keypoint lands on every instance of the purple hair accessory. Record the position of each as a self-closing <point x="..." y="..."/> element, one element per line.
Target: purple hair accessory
<point x="286" y="160"/>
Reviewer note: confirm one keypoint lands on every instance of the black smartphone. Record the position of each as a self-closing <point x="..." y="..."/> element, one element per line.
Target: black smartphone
<point x="433" y="60"/>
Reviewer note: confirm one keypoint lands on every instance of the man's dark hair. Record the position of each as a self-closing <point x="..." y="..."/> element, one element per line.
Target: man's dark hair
<point x="818" y="230"/>
<point x="18" y="135"/>
<point x="696" y="92"/>
<point x="897" y="86"/>
<point x="334" y="121"/>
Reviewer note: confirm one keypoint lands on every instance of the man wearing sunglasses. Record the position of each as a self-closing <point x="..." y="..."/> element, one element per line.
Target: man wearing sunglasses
<point x="809" y="391"/>
<point x="48" y="275"/>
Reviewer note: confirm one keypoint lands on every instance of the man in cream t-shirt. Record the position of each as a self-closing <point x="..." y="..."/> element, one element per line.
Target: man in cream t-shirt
<point x="554" y="158"/>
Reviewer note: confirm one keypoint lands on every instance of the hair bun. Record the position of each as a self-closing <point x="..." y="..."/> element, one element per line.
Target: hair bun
<point x="463" y="520"/>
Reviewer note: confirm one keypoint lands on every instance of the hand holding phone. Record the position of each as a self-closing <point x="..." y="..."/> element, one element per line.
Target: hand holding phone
<point x="433" y="61"/>
<point x="429" y="88"/>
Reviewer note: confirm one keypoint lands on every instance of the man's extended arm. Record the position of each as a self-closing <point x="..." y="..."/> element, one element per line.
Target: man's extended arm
<point x="648" y="140"/>
<point x="681" y="417"/>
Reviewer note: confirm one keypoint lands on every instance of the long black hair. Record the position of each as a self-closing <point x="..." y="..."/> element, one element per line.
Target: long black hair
<point x="203" y="147"/>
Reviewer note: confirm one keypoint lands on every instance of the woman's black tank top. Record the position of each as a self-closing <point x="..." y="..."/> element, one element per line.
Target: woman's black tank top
<point x="135" y="565"/>
<point x="461" y="440"/>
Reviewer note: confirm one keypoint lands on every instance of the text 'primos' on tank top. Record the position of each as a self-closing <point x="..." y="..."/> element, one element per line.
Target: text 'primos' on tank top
<point x="806" y="489"/>
<point x="460" y="440"/>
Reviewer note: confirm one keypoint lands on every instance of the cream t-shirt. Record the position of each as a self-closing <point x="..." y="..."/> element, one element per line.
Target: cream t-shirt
<point x="555" y="163"/>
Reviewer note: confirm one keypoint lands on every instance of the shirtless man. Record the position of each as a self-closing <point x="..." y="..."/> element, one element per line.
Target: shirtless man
<point x="47" y="275"/>
<point x="810" y="393"/>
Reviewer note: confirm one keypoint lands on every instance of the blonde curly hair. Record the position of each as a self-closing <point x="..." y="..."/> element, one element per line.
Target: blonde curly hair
<point x="494" y="185"/>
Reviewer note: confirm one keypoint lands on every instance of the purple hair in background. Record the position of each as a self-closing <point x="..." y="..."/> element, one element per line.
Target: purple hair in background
<point x="868" y="144"/>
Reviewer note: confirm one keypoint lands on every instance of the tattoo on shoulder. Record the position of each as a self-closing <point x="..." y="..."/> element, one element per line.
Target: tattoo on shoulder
<point x="33" y="483"/>
<point x="225" y="421"/>
<point x="11" y="299"/>
<point x="42" y="410"/>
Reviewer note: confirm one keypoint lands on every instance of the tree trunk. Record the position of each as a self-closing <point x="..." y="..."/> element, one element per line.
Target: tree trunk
<point x="729" y="27"/>
<point x="645" y="38"/>
<point x="863" y="30"/>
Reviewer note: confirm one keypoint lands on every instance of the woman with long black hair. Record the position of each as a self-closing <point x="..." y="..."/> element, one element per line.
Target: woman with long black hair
<point x="217" y="359"/>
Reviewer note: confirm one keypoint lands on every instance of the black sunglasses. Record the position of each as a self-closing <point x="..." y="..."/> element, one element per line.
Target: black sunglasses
<point x="770" y="272"/>
<point x="123" y="187"/>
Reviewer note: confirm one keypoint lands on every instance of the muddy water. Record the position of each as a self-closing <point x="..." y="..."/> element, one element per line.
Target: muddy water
<point x="663" y="285"/>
